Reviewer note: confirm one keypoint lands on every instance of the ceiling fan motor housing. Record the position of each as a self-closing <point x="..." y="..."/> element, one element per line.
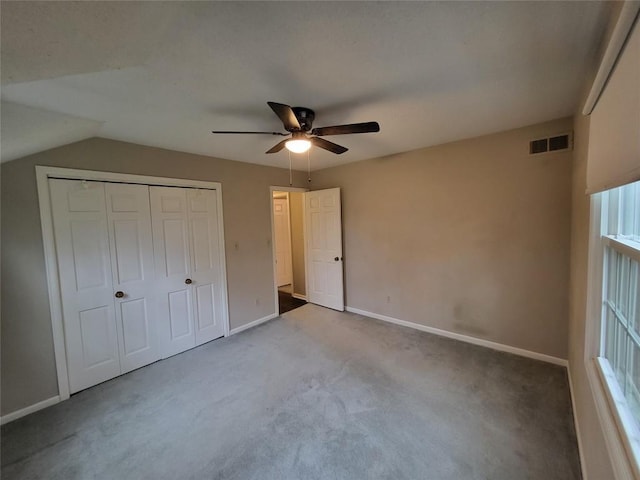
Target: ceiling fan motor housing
<point x="305" y="117"/>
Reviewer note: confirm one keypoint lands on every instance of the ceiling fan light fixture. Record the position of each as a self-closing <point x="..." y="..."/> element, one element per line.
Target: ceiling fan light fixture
<point x="298" y="145"/>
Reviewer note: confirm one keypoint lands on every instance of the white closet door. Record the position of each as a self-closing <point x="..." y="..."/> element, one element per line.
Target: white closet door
<point x="324" y="246"/>
<point x="82" y="247"/>
<point x="206" y="271"/>
<point x="129" y="218"/>
<point x="172" y="262"/>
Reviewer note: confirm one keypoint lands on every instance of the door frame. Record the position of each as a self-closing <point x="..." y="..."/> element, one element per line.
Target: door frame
<point x="43" y="173"/>
<point x="273" y="240"/>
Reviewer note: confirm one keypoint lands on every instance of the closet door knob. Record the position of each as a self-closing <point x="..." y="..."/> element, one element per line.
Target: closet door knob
<point x="119" y="294"/>
<point x="188" y="281"/>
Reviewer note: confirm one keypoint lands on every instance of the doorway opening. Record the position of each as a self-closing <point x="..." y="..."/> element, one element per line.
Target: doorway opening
<point x="289" y="248"/>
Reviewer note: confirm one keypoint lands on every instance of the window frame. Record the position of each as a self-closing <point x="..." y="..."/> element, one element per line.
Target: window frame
<point x="621" y="433"/>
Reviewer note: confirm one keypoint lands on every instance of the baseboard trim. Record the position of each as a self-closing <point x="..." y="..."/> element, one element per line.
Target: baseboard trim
<point x="255" y="323"/>
<point x="299" y="297"/>
<point x="583" y="464"/>
<point x="463" y="338"/>
<point x="10" y="417"/>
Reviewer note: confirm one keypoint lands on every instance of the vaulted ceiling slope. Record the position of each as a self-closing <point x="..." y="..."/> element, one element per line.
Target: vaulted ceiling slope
<point x="167" y="73"/>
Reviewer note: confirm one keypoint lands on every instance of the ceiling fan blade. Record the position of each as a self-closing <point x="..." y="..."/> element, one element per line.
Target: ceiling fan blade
<point x="365" y="127"/>
<point x="286" y="115"/>
<point x="327" y="145"/>
<point x="258" y="133"/>
<point x="277" y="147"/>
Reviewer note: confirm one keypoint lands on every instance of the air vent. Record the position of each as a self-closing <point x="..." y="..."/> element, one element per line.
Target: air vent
<point x="560" y="142"/>
<point x="551" y="144"/>
<point x="539" y="146"/>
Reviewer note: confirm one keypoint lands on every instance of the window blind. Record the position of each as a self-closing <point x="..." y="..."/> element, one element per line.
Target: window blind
<point x="614" y="137"/>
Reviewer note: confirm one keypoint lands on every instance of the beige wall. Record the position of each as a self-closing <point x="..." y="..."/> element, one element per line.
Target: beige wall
<point x="594" y="450"/>
<point x="296" y="206"/>
<point x="470" y="237"/>
<point x="28" y="368"/>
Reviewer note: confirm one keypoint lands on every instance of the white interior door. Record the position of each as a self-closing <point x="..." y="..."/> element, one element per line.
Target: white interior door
<point x="323" y="233"/>
<point x="206" y="268"/>
<point x="132" y="264"/>
<point x="173" y="268"/>
<point x="281" y="226"/>
<point x="82" y="248"/>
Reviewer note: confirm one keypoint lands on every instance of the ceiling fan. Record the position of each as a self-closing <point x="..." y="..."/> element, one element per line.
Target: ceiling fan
<point x="298" y="122"/>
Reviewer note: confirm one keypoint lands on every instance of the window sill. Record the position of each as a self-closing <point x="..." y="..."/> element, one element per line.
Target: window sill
<point x="621" y="434"/>
<point x="627" y="247"/>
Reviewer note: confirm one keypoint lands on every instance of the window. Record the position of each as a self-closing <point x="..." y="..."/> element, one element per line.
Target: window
<point x="619" y="350"/>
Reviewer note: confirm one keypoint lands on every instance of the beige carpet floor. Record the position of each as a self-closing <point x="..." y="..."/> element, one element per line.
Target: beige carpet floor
<point x="313" y="394"/>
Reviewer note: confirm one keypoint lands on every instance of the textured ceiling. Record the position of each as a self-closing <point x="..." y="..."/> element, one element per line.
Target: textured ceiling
<point x="166" y="74"/>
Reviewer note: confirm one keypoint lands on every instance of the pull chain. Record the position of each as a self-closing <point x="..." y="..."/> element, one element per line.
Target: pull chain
<point x="290" y="174"/>
<point x="309" y="165"/>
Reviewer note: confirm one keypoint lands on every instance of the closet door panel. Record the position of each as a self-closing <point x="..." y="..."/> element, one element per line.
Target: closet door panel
<point x="176" y="252"/>
<point x="90" y="257"/>
<point x="127" y="243"/>
<point x="172" y="259"/>
<point x="205" y="305"/>
<point x="129" y="216"/>
<point x="136" y="329"/>
<point x="205" y="264"/>
<point x="180" y="314"/>
<point x="82" y="249"/>
<point x="96" y="325"/>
